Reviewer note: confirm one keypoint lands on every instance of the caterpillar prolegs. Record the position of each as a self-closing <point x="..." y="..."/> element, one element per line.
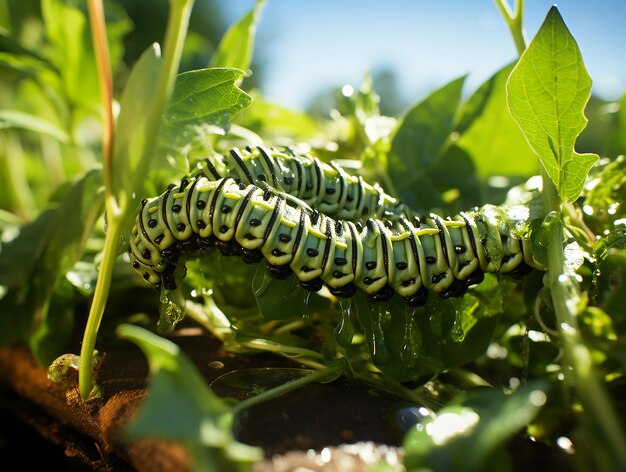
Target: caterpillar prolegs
<point x="379" y="256"/>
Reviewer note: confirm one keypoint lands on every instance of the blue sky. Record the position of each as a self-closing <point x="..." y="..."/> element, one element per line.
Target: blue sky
<point x="310" y="46"/>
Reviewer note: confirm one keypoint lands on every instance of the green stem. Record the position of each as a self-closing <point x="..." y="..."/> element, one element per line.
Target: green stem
<point x="514" y="22"/>
<point x="596" y="402"/>
<point x="177" y="24"/>
<point x="325" y="373"/>
<point x="111" y="242"/>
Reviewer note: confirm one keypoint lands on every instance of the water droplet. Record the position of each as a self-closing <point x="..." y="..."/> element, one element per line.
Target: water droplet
<point x="171" y="310"/>
<point x="344" y="332"/>
<point x="457" y="333"/>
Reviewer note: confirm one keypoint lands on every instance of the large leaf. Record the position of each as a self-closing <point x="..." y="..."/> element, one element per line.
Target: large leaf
<point x="418" y="143"/>
<point x="237" y="45"/>
<point x="489" y="134"/>
<point x="71" y="51"/>
<point x="547" y="92"/>
<point x="132" y="124"/>
<point x="181" y="407"/>
<point x="33" y="264"/>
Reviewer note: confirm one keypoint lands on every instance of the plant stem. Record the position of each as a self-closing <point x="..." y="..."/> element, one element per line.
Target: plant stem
<point x="111" y="241"/>
<point x="101" y="47"/>
<point x="514" y="22"/>
<point x="327" y="372"/>
<point x="596" y="402"/>
<point x="178" y="21"/>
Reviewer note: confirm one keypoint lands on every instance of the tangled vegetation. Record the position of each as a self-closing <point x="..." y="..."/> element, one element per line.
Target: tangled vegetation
<point x="85" y="137"/>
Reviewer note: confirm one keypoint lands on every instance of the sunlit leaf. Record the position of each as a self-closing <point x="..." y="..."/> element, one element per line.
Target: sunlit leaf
<point x="418" y="142"/>
<point x="132" y="123"/>
<point x="547" y="92"/>
<point x="470" y="433"/>
<point x="237" y="44"/>
<point x="490" y="135"/>
<point x="71" y="50"/>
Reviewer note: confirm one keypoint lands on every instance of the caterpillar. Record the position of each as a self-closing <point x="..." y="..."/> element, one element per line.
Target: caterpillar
<point x="327" y="187"/>
<point x="394" y="254"/>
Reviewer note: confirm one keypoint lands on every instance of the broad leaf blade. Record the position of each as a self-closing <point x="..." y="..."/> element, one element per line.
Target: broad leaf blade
<point x="547" y="93"/>
<point x="56" y="240"/>
<point x="206" y="96"/>
<point x="203" y="100"/>
<point x="418" y="141"/>
<point x="489" y="134"/>
<point x="131" y="128"/>
<point x="237" y="45"/>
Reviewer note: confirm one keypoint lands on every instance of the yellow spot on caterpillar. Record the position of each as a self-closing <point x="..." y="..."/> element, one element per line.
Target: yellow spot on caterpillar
<point x="398" y="237"/>
<point x="453" y="224"/>
<point x="291" y="224"/>
<point x="178" y="195"/>
<point x="232" y="196"/>
<point x="263" y="204"/>
<point x="426" y="232"/>
<point x="316" y="233"/>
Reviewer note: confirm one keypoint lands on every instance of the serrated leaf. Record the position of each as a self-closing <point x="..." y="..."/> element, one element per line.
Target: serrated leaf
<point x="207" y="96"/>
<point x="237" y="44"/>
<point x="180" y="406"/>
<point x="547" y="93"/>
<point x="202" y="100"/>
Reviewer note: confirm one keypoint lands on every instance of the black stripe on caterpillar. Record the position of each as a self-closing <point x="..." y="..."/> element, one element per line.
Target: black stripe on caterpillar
<point x="381" y="257"/>
<point x="327" y="187"/>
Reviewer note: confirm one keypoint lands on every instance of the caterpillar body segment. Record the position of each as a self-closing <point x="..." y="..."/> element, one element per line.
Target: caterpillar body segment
<point x="379" y="256"/>
<point x="326" y="187"/>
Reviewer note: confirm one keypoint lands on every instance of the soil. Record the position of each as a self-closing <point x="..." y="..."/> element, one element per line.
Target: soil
<point x="333" y="426"/>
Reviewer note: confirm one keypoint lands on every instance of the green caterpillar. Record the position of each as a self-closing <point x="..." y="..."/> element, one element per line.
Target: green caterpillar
<point x="380" y="256"/>
<point x="326" y="187"/>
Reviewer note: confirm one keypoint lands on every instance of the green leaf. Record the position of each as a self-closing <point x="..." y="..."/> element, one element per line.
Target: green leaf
<point x="206" y="96"/>
<point x="180" y="407"/>
<point x="418" y="143"/>
<point x="237" y="44"/>
<point x="275" y="123"/>
<point x="469" y="435"/>
<point x="203" y="100"/>
<point x="71" y="51"/>
<point x="547" y="92"/>
<point x="278" y="299"/>
<point x="33" y="264"/>
<point x="617" y="142"/>
<point x="131" y="129"/>
<point x="489" y="134"/>
<point x="20" y="120"/>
